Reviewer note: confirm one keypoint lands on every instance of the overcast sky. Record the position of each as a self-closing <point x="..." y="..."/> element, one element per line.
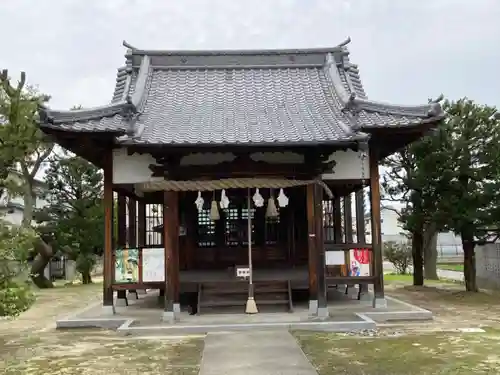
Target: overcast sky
<point x="407" y="50"/>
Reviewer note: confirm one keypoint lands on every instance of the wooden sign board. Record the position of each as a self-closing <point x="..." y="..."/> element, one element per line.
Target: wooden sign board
<point x="153" y="265"/>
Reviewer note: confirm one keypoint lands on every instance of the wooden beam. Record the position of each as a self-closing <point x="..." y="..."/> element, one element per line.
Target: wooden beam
<point x="311" y="244"/>
<point x="239" y="168"/>
<point x="171" y="241"/>
<point x="337" y="221"/>
<point x="348" y="218"/>
<point x="141" y="223"/>
<point x="108" y="231"/>
<point x="132" y="222"/>
<point x="122" y="220"/>
<point x="377" y="260"/>
<point x="320" y="247"/>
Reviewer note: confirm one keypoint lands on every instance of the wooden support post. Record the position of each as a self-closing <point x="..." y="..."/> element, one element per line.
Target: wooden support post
<point x="141" y="223"/>
<point x="320" y="251"/>
<point x="107" y="297"/>
<point x="337" y="223"/>
<point x="132" y="222"/>
<point x="361" y="234"/>
<point x="132" y="234"/>
<point x="351" y="290"/>
<point x="377" y="261"/>
<point x="121" y="221"/>
<point x="312" y="253"/>
<point x="171" y="244"/>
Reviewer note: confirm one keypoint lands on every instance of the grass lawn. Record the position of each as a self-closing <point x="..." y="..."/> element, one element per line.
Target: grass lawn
<point x="458" y="267"/>
<point x="29" y="344"/>
<point x="437" y="353"/>
<point x="392" y="278"/>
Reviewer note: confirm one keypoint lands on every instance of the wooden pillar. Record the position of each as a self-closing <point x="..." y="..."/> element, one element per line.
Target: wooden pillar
<point x="348" y="218"/>
<point x="171" y="244"/>
<point x="141" y="223"/>
<point x="122" y="221"/>
<point x="132" y="223"/>
<point x="377" y="265"/>
<point x="107" y="297"/>
<point x="361" y="232"/>
<point x="337" y="223"/>
<point x="312" y="252"/>
<point x="320" y="251"/>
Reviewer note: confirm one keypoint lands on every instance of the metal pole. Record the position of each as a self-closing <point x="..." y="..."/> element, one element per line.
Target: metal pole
<point x="251" y="307"/>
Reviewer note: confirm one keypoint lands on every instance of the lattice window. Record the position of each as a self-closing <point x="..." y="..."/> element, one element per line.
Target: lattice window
<point x="272" y="229"/>
<point x="236" y="226"/>
<point x="328" y="221"/>
<point x="206" y="229"/>
<point x="154" y="218"/>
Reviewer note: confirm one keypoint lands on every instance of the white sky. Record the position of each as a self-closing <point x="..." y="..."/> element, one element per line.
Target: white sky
<point x="407" y="50"/>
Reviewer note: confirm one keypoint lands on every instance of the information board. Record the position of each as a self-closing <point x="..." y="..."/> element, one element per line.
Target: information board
<point x="153" y="264"/>
<point x="334" y="258"/>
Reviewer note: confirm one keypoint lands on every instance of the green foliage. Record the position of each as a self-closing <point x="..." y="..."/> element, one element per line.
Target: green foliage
<point x="74" y="215"/>
<point x="399" y="254"/>
<point x="15" y="245"/>
<point x="23" y="145"/>
<point x="15" y="298"/>
<point x="468" y="166"/>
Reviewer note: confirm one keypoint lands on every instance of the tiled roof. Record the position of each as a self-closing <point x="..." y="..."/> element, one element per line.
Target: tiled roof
<point x="239" y="97"/>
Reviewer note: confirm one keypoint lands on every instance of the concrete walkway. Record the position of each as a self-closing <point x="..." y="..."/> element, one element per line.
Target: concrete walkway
<point x="254" y="353"/>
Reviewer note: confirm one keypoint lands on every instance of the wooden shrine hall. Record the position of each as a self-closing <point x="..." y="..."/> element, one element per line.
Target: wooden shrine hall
<point x="240" y="175"/>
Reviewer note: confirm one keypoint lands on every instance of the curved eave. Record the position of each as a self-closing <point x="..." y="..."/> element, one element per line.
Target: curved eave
<point x="129" y="104"/>
<point x="429" y="112"/>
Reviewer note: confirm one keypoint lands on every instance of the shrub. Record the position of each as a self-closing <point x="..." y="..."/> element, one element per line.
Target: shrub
<point x="15" y="244"/>
<point x="399" y="254"/>
<point x="15" y="298"/>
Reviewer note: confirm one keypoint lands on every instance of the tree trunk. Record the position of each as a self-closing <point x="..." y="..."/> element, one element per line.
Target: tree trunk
<point x="417" y="245"/>
<point x="44" y="254"/>
<point x="430" y="252"/>
<point x="29" y="203"/>
<point x="469" y="265"/>
<point x="86" y="277"/>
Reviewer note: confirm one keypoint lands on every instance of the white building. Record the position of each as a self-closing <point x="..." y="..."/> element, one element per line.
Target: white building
<point x="448" y="245"/>
<point x="12" y="207"/>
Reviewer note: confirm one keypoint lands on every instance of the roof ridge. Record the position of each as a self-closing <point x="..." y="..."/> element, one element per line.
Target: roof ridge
<point x="131" y="50"/>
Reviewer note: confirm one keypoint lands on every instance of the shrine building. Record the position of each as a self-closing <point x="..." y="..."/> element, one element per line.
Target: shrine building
<point x="239" y="176"/>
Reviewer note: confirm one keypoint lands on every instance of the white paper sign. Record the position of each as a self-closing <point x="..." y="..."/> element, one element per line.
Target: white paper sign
<point x="243" y="272"/>
<point x="334" y="258"/>
<point x="153" y="264"/>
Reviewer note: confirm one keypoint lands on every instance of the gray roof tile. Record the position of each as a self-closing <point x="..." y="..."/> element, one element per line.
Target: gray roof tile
<point x="239" y="97"/>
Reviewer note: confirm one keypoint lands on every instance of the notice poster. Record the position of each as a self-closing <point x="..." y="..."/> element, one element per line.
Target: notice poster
<point x="334" y="258"/>
<point x="360" y="262"/>
<point x="126" y="266"/>
<point x="153" y="265"/>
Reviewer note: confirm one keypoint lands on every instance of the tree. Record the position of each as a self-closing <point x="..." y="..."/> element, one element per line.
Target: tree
<point x="468" y="188"/>
<point x="75" y="212"/>
<point x="24" y="146"/>
<point x="410" y="179"/>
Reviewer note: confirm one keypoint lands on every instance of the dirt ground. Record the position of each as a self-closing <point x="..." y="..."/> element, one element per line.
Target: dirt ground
<point x="451" y="305"/>
<point x="29" y="345"/>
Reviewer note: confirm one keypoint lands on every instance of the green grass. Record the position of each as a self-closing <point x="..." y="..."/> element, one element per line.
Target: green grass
<point x="393" y="278"/>
<point x="451" y="267"/>
<point x="424" y="354"/>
